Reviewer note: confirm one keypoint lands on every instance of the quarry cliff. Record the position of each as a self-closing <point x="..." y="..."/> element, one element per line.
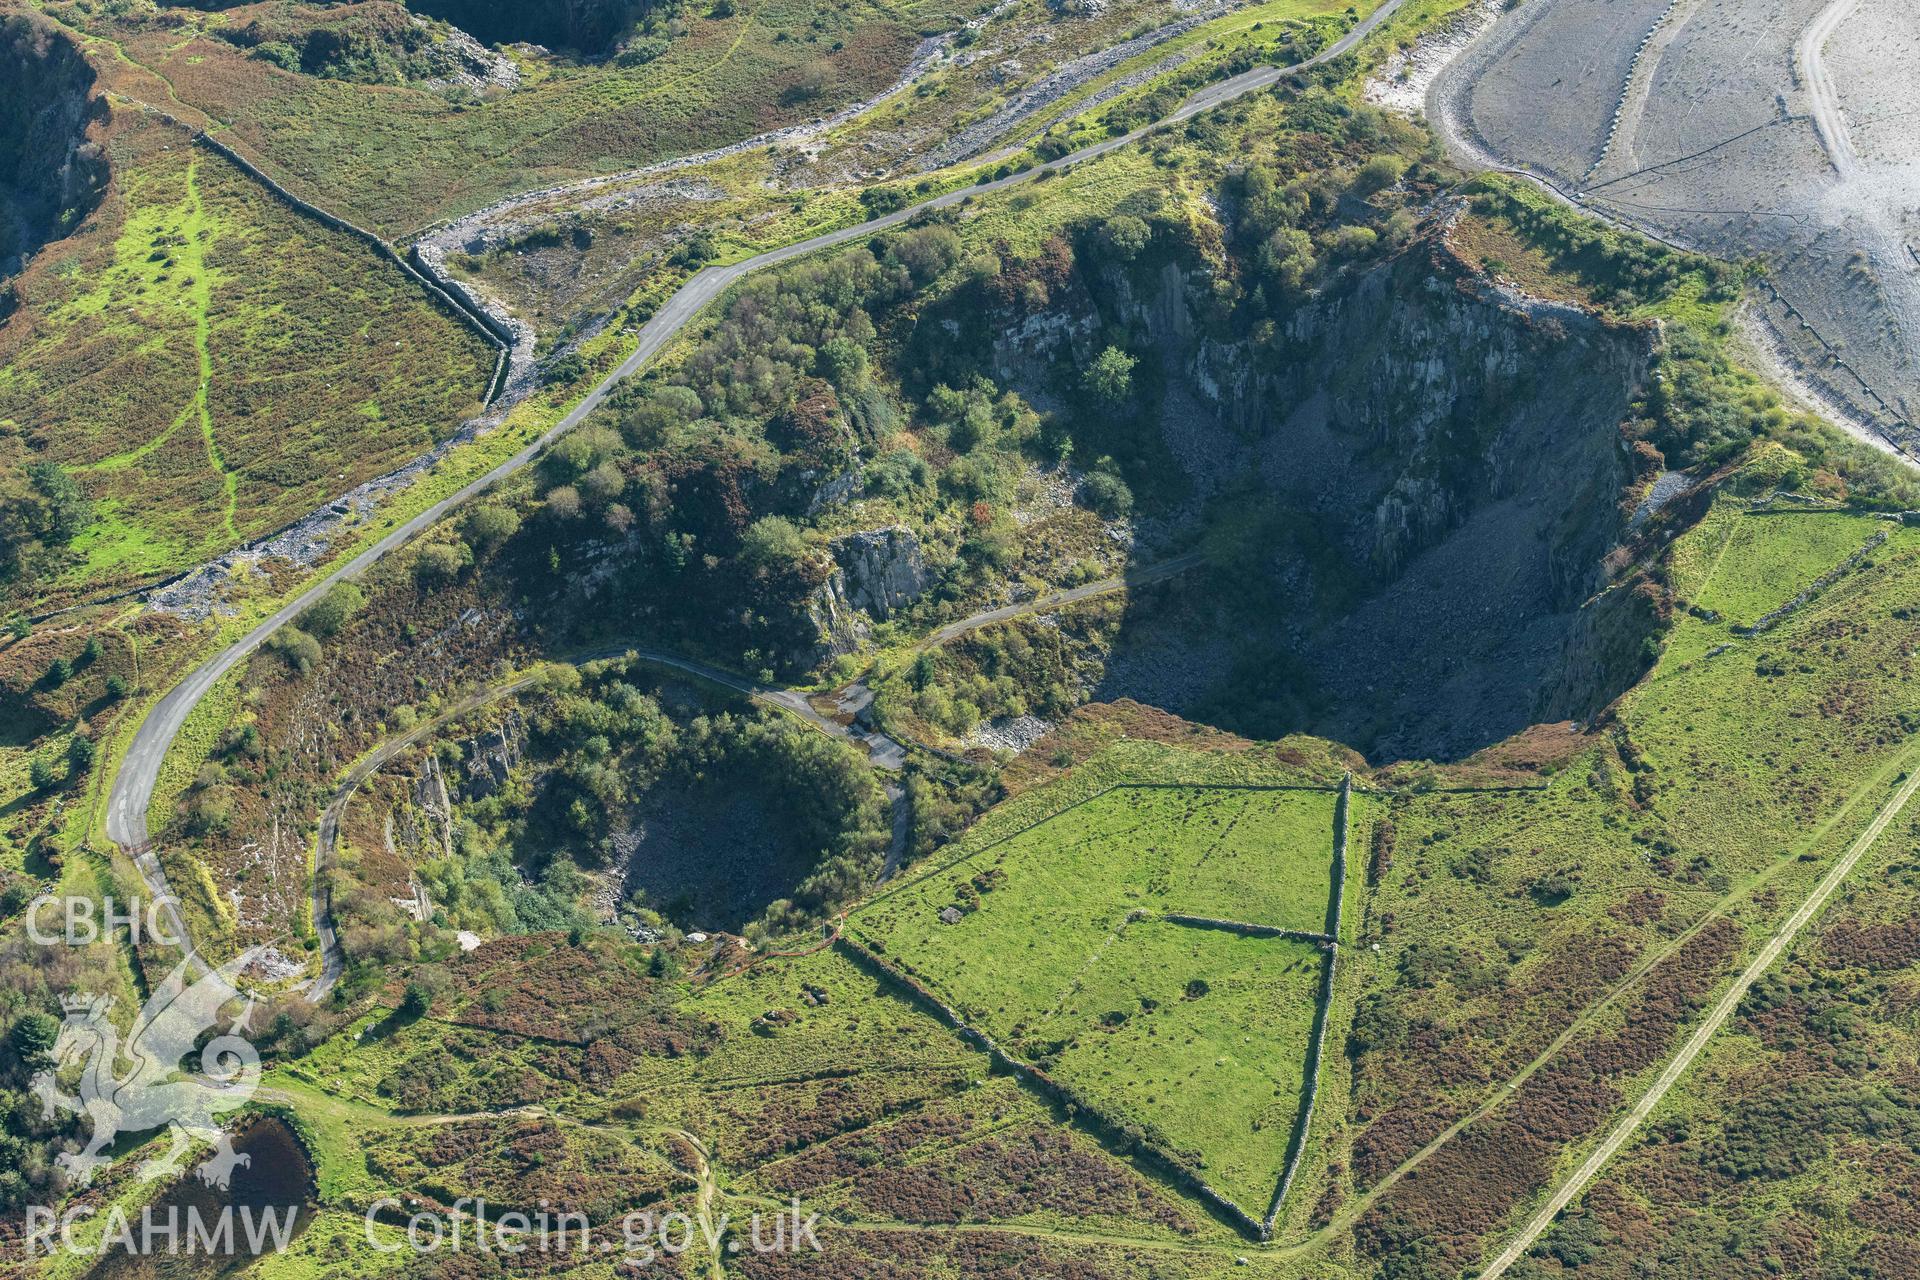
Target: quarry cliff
<point x="1433" y="467"/>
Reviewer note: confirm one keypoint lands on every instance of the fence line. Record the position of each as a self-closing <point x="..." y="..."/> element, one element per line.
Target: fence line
<point x="496" y="334"/>
<point x="1303" y="1123"/>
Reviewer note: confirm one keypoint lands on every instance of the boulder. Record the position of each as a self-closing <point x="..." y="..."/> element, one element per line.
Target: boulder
<point x="883" y="570"/>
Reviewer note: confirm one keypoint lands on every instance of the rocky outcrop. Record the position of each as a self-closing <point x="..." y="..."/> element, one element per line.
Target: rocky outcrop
<point x="838" y="627"/>
<point x="584" y="26"/>
<point x="493" y="756"/>
<point x="876" y="571"/>
<point x="436" y="807"/>
<point x="52" y="174"/>
<point x="883" y="570"/>
<point x="371" y="42"/>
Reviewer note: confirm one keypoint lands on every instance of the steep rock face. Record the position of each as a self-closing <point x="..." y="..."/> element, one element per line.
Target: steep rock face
<point x="51" y="174"/>
<point x="884" y="569"/>
<point x="1446" y="460"/>
<point x="875" y="572"/>
<point x="1404" y="401"/>
<point x="585" y="26"/>
<point x="492" y="756"/>
<point x="838" y="628"/>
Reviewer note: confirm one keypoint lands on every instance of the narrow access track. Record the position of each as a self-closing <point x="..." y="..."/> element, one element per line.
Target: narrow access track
<point x="1629" y="1124"/>
<point x="131" y="795"/>
<point x="1809" y="58"/>
<point x="332" y="958"/>
<point x="1060" y="599"/>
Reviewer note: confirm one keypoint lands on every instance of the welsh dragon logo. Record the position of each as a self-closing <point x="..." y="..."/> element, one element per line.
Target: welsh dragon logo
<point x="156" y="1089"/>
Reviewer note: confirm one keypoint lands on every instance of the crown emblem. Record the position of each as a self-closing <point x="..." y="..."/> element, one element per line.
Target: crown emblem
<point x="93" y="1007"/>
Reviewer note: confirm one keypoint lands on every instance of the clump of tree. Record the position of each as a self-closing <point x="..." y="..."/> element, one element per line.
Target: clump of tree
<point x="333" y="610"/>
<point x="441" y="561"/>
<point x="1108" y="380"/>
<point x="1019" y="668"/>
<point x="208" y="805"/>
<point x="489" y="526"/>
<point x="600" y="741"/>
<point x="26" y="1145"/>
<point x="42" y="509"/>
<point x="300" y="650"/>
<point x="1296" y="224"/>
<point x="1702" y="409"/>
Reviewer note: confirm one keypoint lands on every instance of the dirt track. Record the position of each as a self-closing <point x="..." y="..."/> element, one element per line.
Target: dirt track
<point x="1574" y="1183"/>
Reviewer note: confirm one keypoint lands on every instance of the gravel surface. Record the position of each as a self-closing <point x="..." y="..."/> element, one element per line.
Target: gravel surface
<point x="1403" y="80"/>
<point x="1009" y="733"/>
<point x="1049" y="89"/>
<point x="1776" y="129"/>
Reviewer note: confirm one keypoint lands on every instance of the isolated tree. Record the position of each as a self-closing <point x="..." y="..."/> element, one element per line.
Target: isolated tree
<point x="1107" y="493"/>
<point x="563" y="502"/>
<point x="843" y="362"/>
<point x="490" y="524"/>
<point x="1109" y="379"/>
<point x="602" y="484"/>
<point x="299" y="648"/>
<point x="441" y="561"/>
<point x="1354" y="242"/>
<point x="332" y="610"/>
<point x="645" y="421"/>
<point x="40" y="509"/>
<point x="583" y="450"/>
<point x="1288" y="257"/>
<point x="1125" y="237"/>
<point x="773" y="543"/>
<point x="1378" y="174"/>
<point x="896" y="472"/>
<point x="810" y="82"/>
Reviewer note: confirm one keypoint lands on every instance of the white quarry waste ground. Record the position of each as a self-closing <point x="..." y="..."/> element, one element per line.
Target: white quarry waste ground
<point x="1782" y="130"/>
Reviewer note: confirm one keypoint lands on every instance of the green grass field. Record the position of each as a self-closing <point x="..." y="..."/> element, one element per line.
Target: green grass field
<point x="1260" y="860"/>
<point x="1044" y="901"/>
<point x="1200" y="1037"/>
<point x="1197" y="1036"/>
<point x="1736" y="565"/>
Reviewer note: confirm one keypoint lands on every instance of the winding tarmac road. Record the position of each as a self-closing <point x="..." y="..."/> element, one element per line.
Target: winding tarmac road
<point x="131" y="795"/>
